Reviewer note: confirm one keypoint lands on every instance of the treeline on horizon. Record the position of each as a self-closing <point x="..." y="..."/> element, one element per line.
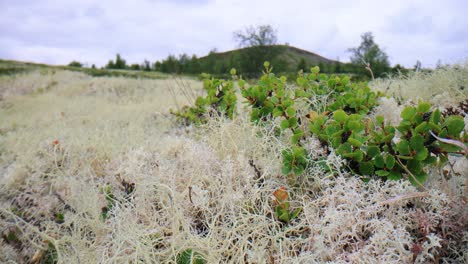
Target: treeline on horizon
<point x="249" y="67"/>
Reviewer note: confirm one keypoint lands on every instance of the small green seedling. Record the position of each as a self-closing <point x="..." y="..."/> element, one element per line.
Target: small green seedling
<point x="110" y="202"/>
<point x="189" y="256"/>
<point x="282" y="206"/>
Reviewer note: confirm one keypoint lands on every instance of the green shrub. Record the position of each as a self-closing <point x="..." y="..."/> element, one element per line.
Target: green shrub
<point x="220" y="100"/>
<point x="342" y="124"/>
<point x="336" y="111"/>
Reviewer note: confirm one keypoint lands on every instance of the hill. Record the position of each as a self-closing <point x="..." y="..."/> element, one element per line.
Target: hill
<point x="286" y="57"/>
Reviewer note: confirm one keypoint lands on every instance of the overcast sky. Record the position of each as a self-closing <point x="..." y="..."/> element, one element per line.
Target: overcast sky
<point x="89" y="31"/>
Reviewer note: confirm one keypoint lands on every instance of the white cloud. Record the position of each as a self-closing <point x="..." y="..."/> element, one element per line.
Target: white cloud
<point x="94" y="31"/>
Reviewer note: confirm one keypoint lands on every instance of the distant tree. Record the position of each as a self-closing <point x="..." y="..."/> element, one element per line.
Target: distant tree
<point x="210" y="62"/>
<point x="135" y="67"/>
<point x="220" y="67"/>
<point x="398" y="69"/>
<point x="110" y="65"/>
<point x="337" y="67"/>
<point x="75" y="64"/>
<point x="119" y="62"/>
<point x="157" y="66"/>
<point x="370" y="54"/>
<point x="302" y="65"/>
<point x="322" y="67"/>
<point x="184" y="63"/>
<point x="262" y="35"/>
<point x="93" y="66"/>
<point x="417" y="66"/>
<point x="170" y="65"/>
<point x="195" y="66"/>
<point x="260" y="46"/>
<point x="146" y="65"/>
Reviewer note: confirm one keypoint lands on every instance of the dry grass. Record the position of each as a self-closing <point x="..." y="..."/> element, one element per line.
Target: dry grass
<point x="207" y="189"/>
<point x="443" y="87"/>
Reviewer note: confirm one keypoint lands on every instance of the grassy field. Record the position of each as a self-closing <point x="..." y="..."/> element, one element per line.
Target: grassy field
<point x="9" y="67"/>
<point x="96" y="170"/>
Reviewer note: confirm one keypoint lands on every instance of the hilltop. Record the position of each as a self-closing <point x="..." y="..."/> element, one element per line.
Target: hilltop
<point x="292" y="55"/>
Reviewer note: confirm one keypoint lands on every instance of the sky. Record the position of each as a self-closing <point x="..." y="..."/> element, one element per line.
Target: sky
<point x="93" y="32"/>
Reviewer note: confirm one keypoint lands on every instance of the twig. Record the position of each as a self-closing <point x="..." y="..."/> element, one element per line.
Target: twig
<point x="404" y="197"/>
<point x="411" y="174"/>
<point x="367" y="64"/>
<point x="257" y="171"/>
<point x="190" y="193"/>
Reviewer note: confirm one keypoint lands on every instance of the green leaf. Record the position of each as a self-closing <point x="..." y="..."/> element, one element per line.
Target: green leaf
<point x="293" y="122"/>
<point x="233" y="71"/>
<point x="340" y="116"/>
<point x="286" y="169"/>
<point x="372" y="150"/>
<point x="274" y="100"/>
<point x="298" y="134"/>
<point x="266" y="64"/>
<point x="379" y="161"/>
<point x="331" y="129"/>
<point x="455" y="125"/>
<point x="414" y="166"/>
<point x="435" y="116"/>
<point x="421" y="154"/>
<point x="358" y="155"/>
<point x="295" y="213"/>
<point x="298" y="170"/>
<point x="417" y="142"/>
<point x="278" y="111"/>
<point x="389" y="161"/>
<point x="390" y="129"/>
<point x="388" y="138"/>
<point x="283" y="215"/>
<point x="379" y="120"/>
<point x="424" y="107"/>
<point x="430" y="160"/>
<point x="366" y="168"/>
<point x="284" y="124"/>
<point x="435" y="128"/>
<point x="355" y="126"/>
<point x="403" y="147"/>
<point x="344" y="148"/>
<point x="291" y="111"/>
<point x="423" y="127"/>
<point x="404" y="126"/>
<point x="287" y="103"/>
<point x="189" y="256"/>
<point x="394" y="176"/>
<point x="315" y="70"/>
<point x="241" y="83"/>
<point x="449" y="148"/>
<point x="355" y="142"/>
<point x="408" y="113"/>
<point x="382" y="173"/>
